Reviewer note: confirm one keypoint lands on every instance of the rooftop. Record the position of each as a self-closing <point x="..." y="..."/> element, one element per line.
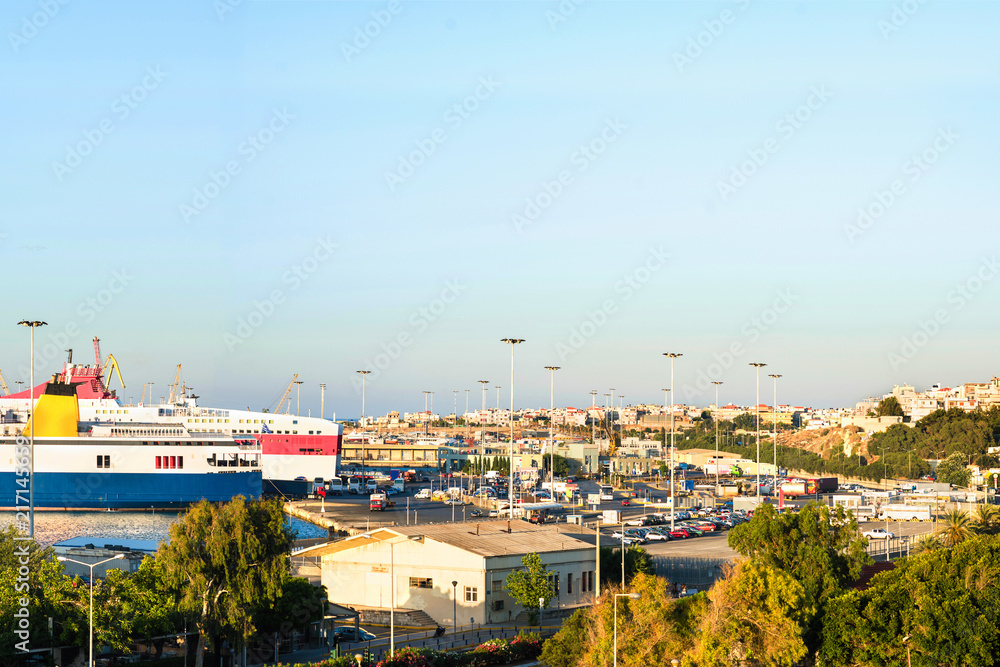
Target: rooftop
<point x="485" y="538"/>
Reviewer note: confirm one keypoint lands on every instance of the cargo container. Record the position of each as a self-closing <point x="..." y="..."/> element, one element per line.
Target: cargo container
<point x="809" y="487"/>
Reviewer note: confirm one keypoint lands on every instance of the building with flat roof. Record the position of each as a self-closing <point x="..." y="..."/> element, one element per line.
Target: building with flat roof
<point x="449" y="570"/>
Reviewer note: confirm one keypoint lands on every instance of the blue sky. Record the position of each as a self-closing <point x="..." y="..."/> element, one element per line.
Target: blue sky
<point x="253" y="190"/>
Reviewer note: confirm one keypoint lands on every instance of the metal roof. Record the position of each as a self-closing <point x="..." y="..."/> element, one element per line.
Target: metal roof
<point x="485" y="538"/>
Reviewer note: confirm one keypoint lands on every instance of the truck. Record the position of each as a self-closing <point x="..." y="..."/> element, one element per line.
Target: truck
<point x="905" y="513"/>
<point x="378" y="502"/>
<point x="808" y="487"/>
<point x="410" y="476"/>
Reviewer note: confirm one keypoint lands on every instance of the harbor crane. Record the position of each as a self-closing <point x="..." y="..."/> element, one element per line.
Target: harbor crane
<point x="3" y="383"/>
<point x="112" y="362"/>
<point x="288" y="391"/>
<point x="173" y="388"/>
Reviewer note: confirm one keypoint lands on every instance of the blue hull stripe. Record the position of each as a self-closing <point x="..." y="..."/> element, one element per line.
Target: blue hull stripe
<point x="128" y="490"/>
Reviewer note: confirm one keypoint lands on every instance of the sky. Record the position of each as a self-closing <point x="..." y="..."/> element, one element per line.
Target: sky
<point x="255" y="189"/>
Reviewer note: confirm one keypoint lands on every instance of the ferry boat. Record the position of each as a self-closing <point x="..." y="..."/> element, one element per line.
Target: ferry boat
<point x="292" y="447"/>
<point x="121" y="466"/>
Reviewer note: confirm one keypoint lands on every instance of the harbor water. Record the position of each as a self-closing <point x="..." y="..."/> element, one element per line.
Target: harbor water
<point x="109" y="527"/>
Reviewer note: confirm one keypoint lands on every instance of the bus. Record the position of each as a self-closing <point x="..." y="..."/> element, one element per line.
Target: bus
<point x="607" y="492"/>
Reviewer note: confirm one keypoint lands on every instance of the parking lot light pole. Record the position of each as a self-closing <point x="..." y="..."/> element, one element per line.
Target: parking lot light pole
<point x="552" y="440"/>
<point x="454" y="607"/>
<point x="756" y="418"/>
<point x="673" y="491"/>
<point x="510" y="464"/>
<point x="91" y="566"/>
<point x="32" y="325"/>
<point x="631" y="596"/>
<point x="774" y="427"/>
<point x="716" y="420"/>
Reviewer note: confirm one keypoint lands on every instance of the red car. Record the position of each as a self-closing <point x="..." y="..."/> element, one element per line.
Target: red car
<point x="625" y="503"/>
<point x="679" y="534"/>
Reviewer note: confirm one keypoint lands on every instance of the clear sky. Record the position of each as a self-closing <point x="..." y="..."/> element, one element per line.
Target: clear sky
<point x="260" y="188"/>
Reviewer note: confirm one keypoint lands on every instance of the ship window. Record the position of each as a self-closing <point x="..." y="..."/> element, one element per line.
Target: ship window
<point x="180" y="461"/>
<point x="159" y="462"/>
<point x="100" y="461"/>
<point x="173" y="462"/>
<point x="310" y="432"/>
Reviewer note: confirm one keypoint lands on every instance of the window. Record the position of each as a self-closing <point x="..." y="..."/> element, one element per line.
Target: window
<point x="180" y="461"/>
<point x="159" y="462"/>
<point x="497" y="586"/>
<point x="421" y="582"/>
<point x="569" y="583"/>
<point x="554" y="580"/>
<point x="471" y="594"/>
<point x="103" y="461"/>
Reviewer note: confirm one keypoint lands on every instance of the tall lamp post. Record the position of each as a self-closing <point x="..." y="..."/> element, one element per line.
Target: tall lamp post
<point x="631" y="596"/>
<point x="510" y="465"/>
<point x="482" y="436"/>
<point x="392" y="589"/>
<point x="91" y="566"/>
<point x="322" y="400"/>
<point x="774" y="427"/>
<point x="716" y="420"/>
<point x="552" y="440"/>
<point x="364" y="482"/>
<point x="31" y="324"/>
<point x="454" y="607"/>
<point x="756" y="418"/>
<point x="298" y="396"/>
<point x="673" y="492"/>
<point x="497" y="387"/>
<point x="665" y="407"/>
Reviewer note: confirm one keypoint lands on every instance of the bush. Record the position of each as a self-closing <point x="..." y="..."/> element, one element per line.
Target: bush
<point x="524" y="646"/>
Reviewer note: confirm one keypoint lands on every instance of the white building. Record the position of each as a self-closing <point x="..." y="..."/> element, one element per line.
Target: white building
<point x="425" y="567"/>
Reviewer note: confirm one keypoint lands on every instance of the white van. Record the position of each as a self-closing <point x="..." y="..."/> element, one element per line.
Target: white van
<point x="337" y="486"/>
<point x="371" y="486"/>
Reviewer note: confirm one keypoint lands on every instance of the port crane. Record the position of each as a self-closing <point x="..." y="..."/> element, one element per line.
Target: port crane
<point x="288" y="391"/>
<point x="173" y="387"/>
<point x="3" y="383"/>
<point x="111" y="361"/>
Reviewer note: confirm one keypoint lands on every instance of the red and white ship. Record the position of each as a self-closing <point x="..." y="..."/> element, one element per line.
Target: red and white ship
<point x="292" y="447"/>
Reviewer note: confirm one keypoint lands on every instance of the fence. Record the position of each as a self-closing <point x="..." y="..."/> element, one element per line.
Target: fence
<point x="691" y="571"/>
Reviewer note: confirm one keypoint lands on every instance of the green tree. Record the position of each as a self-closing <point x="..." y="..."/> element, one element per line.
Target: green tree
<point x="953" y="471"/>
<point x="567" y="647"/>
<point x="29" y="572"/>
<point x="744" y="421"/>
<point x="817" y="547"/>
<point x="300" y="604"/>
<point x="759" y="616"/>
<point x="531" y="584"/>
<point x="227" y="563"/>
<point x="986" y="519"/>
<point x="889" y="407"/>
<point x="637" y="560"/>
<point x="562" y="465"/>
<point x="955" y="527"/>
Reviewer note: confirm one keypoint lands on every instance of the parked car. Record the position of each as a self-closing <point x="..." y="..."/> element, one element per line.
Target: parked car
<point x="475" y="513"/>
<point x="347" y="633"/>
<point x="625" y="503"/>
<point x="680" y="534"/>
<point x="877" y="534"/>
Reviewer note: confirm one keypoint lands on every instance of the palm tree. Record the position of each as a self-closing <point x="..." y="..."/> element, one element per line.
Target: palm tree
<point x="986" y="519"/>
<point x="955" y="527"/>
<point x="924" y="543"/>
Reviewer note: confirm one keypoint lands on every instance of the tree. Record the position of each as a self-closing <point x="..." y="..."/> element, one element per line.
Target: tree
<point x="561" y="464"/>
<point x="530" y="585"/>
<point x="758" y="616"/>
<point x="889" y="407"/>
<point x="818" y="547"/>
<point x="637" y="560"/>
<point x="227" y="563"/>
<point x="955" y="527"/>
<point x="300" y="604"/>
<point x="744" y="421"/>
<point x="953" y="471"/>
<point x="29" y="572"/>
<point x="986" y="519"/>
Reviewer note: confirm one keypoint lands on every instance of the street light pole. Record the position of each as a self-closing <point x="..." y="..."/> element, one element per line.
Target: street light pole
<point x="364" y="482"/>
<point x="454" y="608"/>
<point x="552" y="440"/>
<point x="632" y="596"/>
<point x="666" y="408"/>
<point x="673" y="491"/>
<point x="32" y="325"/>
<point x="510" y="465"/>
<point x="91" y="566"/>
<point x="322" y="400"/>
<point x="482" y="436"/>
<point x="298" y="396"/>
<point x="774" y="427"/>
<point x="756" y="412"/>
<point x="716" y="419"/>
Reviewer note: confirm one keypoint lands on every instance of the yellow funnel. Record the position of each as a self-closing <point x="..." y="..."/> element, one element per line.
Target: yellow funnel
<point x="56" y="413"/>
